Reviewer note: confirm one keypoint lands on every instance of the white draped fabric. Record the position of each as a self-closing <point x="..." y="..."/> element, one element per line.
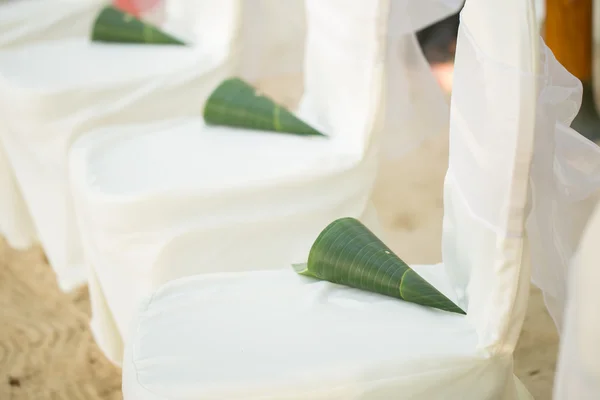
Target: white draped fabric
<point x="578" y="368"/>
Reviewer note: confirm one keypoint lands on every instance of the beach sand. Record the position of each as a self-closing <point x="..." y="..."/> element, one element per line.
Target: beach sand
<point x="47" y="351"/>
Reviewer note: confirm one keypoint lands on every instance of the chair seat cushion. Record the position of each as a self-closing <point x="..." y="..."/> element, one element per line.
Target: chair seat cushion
<point x="135" y="161"/>
<point x="51" y="93"/>
<point x="276" y="335"/>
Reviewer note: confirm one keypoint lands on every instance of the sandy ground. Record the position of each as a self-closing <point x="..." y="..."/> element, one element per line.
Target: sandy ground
<point x="47" y="352"/>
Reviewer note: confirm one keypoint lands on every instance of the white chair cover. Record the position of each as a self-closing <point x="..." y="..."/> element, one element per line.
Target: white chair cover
<point x="25" y="22"/>
<point x="273" y="35"/>
<point x="53" y="91"/>
<point x="272" y="32"/>
<point x="493" y="116"/>
<point x="563" y="186"/>
<point x="274" y="335"/>
<point x="578" y="369"/>
<point x="231" y="187"/>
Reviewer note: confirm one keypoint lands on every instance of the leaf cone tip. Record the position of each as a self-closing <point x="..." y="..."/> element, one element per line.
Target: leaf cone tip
<point x="236" y="103"/>
<point x="116" y="26"/>
<point x="348" y="253"/>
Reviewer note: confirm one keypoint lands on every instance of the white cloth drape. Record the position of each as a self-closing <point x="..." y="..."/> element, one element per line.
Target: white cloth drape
<point x="578" y="367"/>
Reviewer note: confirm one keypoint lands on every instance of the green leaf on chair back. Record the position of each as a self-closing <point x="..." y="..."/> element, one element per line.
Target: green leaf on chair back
<point x="114" y="25"/>
<point x="237" y="104"/>
<point x="348" y="253"/>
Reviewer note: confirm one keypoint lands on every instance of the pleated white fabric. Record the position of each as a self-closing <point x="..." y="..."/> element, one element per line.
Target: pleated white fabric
<point x="275" y="335"/>
<point x="234" y="188"/>
<point x="52" y="91"/>
<point x="25" y="22"/>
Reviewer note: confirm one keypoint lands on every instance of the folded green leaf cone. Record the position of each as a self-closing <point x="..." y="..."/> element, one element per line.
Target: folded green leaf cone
<point x="116" y="26"/>
<point x="237" y="104"/>
<point x="348" y="253"/>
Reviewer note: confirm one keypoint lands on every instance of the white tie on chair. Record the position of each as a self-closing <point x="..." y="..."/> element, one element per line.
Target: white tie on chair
<point x="275" y="335"/>
<point x="53" y="91"/>
<point x="137" y="187"/>
<point x="25" y="22"/>
<point x="565" y="187"/>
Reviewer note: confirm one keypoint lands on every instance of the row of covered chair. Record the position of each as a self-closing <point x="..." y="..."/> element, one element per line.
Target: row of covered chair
<point x="275" y="335"/>
<point x="108" y="152"/>
<point x="70" y="86"/>
<point x="122" y="175"/>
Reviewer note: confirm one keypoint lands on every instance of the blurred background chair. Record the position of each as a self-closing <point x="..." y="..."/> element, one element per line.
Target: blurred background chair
<point x="52" y="91"/>
<point x="21" y="23"/>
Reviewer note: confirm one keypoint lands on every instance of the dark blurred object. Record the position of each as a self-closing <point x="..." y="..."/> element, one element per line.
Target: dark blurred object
<point x="569" y="34"/>
<point x="438" y="41"/>
<point x="587" y="121"/>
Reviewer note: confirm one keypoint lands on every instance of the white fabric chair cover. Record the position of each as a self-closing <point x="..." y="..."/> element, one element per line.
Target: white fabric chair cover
<point x="232" y="188"/>
<point x="273" y="36"/>
<point x="563" y="187"/>
<point x="272" y="32"/>
<point x="25" y="22"/>
<point x="275" y="335"/>
<point x="578" y="369"/>
<point x="51" y="92"/>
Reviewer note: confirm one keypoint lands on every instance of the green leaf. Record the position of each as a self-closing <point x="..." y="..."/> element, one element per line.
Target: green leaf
<point x="237" y="104"/>
<point x="116" y="26"/>
<point x="348" y="253"/>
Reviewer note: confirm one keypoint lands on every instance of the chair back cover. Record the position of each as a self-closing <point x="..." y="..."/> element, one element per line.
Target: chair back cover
<point x="520" y="182"/>
<point x="492" y="125"/>
<point x="206" y="23"/>
<point x="273" y="35"/>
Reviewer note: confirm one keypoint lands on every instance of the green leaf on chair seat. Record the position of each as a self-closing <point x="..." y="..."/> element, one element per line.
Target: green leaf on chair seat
<point x="114" y="25"/>
<point x="237" y="104"/>
<point x="348" y="253"/>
